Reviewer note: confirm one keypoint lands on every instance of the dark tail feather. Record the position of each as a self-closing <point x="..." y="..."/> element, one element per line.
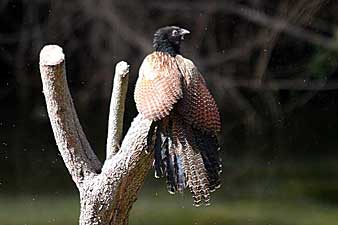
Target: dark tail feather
<point x="187" y="158"/>
<point x="164" y="157"/>
<point x="209" y="148"/>
<point x="158" y="163"/>
<point x="179" y="166"/>
<point x="169" y="162"/>
<point x="180" y="159"/>
<point x="203" y="185"/>
<point x="198" y="184"/>
<point x="192" y="163"/>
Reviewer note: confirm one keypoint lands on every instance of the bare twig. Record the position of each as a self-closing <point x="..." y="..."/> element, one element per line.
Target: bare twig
<point x="268" y="46"/>
<point x="300" y="13"/>
<point x="214" y="59"/>
<point x="254" y="16"/>
<point x="117" y="102"/>
<point x="282" y="84"/>
<point x="281" y="25"/>
<point x="251" y="117"/>
<point x="106" y="11"/>
<point x="292" y="16"/>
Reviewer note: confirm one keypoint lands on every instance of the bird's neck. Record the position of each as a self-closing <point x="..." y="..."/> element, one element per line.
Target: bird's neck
<point x="167" y="47"/>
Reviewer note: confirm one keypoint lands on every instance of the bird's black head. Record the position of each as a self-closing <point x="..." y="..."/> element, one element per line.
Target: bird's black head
<point x="168" y="39"/>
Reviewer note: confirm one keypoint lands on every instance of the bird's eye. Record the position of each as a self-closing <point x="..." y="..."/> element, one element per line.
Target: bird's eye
<point x="175" y="33"/>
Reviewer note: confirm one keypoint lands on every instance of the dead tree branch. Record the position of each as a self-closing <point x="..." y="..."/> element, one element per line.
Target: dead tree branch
<point x="118" y="98"/>
<point x="106" y="192"/>
<point x="70" y="138"/>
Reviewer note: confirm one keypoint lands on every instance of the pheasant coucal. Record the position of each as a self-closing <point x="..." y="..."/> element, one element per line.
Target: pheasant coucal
<point x="171" y="91"/>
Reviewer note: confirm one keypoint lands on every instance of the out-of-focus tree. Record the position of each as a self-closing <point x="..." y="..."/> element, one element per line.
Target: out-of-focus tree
<point x="262" y="59"/>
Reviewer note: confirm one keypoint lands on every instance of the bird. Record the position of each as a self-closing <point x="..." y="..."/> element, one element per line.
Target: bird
<point x="171" y="92"/>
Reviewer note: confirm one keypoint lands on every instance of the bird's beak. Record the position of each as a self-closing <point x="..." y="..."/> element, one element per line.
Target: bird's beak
<point x="183" y="32"/>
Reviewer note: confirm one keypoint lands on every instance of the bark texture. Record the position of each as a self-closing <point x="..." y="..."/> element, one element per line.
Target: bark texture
<point x="108" y="190"/>
<point x="118" y="98"/>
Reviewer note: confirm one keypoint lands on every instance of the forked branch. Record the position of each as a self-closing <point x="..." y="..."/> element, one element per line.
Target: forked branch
<point x="106" y="192"/>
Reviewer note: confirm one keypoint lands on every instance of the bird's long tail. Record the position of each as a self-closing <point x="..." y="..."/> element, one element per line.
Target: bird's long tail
<point x="187" y="158"/>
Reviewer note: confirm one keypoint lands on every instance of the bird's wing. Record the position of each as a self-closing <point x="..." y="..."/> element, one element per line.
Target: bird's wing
<point x="158" y="86"/>
<point x="198" y="106"/>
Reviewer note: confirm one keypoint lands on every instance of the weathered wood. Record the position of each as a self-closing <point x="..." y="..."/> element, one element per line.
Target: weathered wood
<point x="75" y="150"/>
<point x="116" y="111"/>
<point x="111" y="195"/>
<point x="107" y="192"/>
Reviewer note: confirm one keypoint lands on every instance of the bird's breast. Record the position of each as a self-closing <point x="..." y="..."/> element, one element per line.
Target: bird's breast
<point x="158" y="64"/>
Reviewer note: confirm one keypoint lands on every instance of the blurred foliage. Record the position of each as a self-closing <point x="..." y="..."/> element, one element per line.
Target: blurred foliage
<point x="322" y="64"/>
